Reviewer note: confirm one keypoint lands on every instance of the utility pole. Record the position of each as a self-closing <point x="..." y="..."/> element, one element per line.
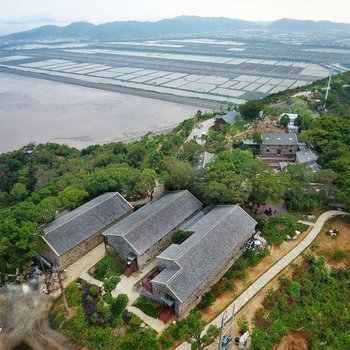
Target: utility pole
<point x="225" y="341"/>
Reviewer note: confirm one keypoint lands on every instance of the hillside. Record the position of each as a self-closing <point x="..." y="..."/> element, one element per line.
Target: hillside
<point x="167" y="28"/>
<point x="308" y="25"/>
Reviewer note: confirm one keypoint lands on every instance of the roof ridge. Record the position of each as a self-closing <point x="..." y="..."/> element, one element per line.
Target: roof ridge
<point x="206" y="232"/>
<point x="155" y="212"/>
<point x="74" y="217"/>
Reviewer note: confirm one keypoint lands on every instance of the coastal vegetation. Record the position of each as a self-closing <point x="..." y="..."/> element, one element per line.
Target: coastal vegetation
<point x="38" y="182"/>
<point x="315" y="300"/>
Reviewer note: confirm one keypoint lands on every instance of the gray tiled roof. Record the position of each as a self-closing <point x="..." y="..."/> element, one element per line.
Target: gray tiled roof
<point x="276" y="139"/>
<point x="215" y="236"/>
<point x="147" y="225"/>
<point x="229" y="117"/>
<point x="306" y="156"/>
<point x="204" y="159"/>
<point x="164" y="276"/>
<point x="192" y="221"/>
<point x="76" y="226"/>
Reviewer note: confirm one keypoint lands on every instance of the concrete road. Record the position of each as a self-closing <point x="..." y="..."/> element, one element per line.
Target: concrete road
<point x="249" y="293"/>
<point x="197" y="132"/>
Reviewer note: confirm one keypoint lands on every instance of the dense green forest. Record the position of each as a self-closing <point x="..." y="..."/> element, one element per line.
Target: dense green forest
<point x="38" y="181"/>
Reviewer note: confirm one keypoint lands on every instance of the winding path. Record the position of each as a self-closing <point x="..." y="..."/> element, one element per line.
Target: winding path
<point x="256" y="286"/>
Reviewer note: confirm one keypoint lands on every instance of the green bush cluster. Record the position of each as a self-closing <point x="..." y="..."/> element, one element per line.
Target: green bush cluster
<point x="276" y="228"/>
<point x="148" y="306"/>
<point x="316" y="299"/>
<point x="108" y="266"/>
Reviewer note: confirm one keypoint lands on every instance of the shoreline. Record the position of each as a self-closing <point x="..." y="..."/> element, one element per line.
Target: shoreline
<point x="121" y="90"/>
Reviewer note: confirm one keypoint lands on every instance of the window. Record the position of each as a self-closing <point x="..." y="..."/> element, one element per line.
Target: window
<point x="267" y="150"/>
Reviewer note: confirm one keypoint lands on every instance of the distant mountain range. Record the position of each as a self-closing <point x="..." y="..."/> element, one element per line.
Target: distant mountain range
<point x="167" y="28"/>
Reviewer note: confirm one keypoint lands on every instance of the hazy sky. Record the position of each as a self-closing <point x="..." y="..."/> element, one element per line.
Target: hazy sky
<point x="98" y="11"/>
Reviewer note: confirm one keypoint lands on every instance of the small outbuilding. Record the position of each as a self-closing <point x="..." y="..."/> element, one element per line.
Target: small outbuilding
<point x="227" y="118"/>
<point x="307" y="156"/>
<point x="75" y="233"/>
<point x="204" y="159"/>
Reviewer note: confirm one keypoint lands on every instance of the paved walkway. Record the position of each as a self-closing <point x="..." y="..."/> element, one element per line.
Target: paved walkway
<point x="83" y="264"/>
<point x="156" y="324"/>
<point x="88" y="278"/>
<point x="307" y="223"/>
<point x="126" y="286"/>
<point x="251" y="291"/>
<point x="206" y="124"/>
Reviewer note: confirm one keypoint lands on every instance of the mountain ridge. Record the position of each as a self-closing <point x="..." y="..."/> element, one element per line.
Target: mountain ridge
<point x="166" y="28"/>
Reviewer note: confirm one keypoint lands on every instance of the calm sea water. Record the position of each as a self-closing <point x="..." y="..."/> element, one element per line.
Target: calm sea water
<point x="35" y="110"/>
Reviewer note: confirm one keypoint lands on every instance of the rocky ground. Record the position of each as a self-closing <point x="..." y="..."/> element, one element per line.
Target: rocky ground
<point x="24" y="318"/>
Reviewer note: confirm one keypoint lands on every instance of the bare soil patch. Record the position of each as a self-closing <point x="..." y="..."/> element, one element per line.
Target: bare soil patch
<point x="326" y="246"/>
<point x="293" y="341"/>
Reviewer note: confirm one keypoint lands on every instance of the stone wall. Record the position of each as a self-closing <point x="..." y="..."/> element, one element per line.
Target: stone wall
<point x="80" y="250"/>
<point x="74" y="254"/>
<point x="155" y="250"/>
<point x="272" y="151"/>
<point x="121" y="246"/>
<point x="167" y="263"/>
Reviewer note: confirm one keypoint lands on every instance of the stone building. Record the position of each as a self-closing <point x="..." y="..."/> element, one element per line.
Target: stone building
<point x="279" y="145"/>
<point x="188" y="270"/>
<point x="75" y="233"/>
<point x="144" y="234"/>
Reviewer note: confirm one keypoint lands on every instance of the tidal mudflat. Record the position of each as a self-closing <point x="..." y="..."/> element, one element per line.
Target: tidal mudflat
<point x="36" y="110"/>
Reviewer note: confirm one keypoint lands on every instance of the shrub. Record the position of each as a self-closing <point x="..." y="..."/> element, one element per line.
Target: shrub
<point x="135" y="321"/>
<point x="73" y="294"/>
<point x="94" y="291"/>
<point x="240" y="264"/>
<point x="243" y="324"/>
<point x="108" y="266"/>
<point x="148" y="306"/>
<point x="94" y="318"/>
<point x="118" y="304"/>
<point x="230" y="287"/>
<point x="179" y="236"/>
<point x="110" y="283"/>
<point x="166" y="340"/>
<point x="340" y="254"/>
<point x="89" y="299"/>
<point x="219" y="288"/>
<point x="208" y="299"/>
<point x="252" y="258"/>
<point x="242" y="275"/>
